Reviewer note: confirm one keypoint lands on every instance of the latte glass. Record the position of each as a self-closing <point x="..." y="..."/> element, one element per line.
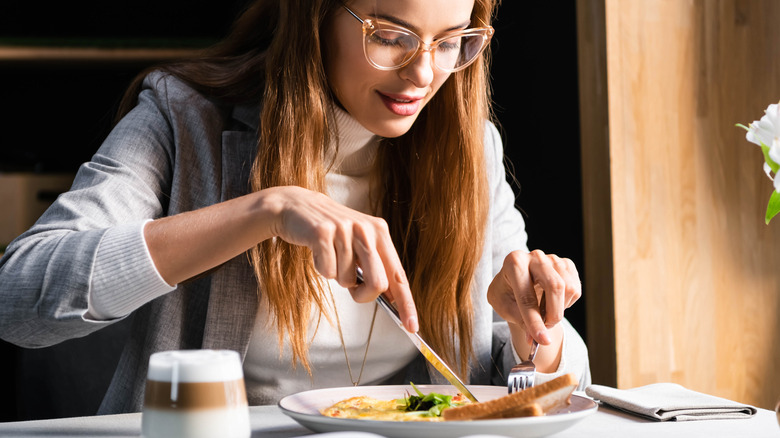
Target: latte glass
<point x="194" y="394"/>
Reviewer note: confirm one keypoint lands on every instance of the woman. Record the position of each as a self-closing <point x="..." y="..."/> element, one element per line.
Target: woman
<point x="319" y="137"/>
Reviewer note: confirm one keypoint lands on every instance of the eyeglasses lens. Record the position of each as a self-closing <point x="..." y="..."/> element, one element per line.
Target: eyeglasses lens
<point x="390" y="48"/>
<point x="455" y="52"/>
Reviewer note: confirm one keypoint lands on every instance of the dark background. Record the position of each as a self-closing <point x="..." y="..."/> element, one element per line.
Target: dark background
<point x="69" y="107"/>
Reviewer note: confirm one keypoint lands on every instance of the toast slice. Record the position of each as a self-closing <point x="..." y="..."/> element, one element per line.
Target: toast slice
<point x="529" y="410"/>
<point x="546" y="396"/>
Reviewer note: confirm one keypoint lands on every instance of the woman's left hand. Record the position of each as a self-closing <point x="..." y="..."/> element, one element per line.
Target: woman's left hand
<point x="517" y="289"/>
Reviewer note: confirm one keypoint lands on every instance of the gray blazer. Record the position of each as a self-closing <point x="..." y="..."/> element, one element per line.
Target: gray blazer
<point x="175" y="152"/>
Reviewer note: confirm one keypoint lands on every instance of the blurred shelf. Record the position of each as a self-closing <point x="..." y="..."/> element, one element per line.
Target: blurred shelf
<point x="11" y="54"/>
<point x="74" y="51"/>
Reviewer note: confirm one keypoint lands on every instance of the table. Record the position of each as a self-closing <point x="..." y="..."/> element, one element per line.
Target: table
<point x="269" y="421"/>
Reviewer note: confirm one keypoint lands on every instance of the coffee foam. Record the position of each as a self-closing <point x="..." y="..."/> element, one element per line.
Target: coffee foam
<point x="195" y="366"/>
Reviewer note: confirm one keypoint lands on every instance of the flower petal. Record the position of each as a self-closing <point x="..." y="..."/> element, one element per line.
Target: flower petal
<point x="768" y="171"/>
<point x="773" y="113"/>
<point x="751" y="137"/>
<point x="774" y="150"/>
<point x="764" y="131"/>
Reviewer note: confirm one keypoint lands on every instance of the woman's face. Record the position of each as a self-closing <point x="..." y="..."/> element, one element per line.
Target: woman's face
<point x="388" y="102"/>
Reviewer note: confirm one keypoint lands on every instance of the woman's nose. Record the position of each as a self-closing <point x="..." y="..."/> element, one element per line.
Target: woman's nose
<point x="420" y="71"/>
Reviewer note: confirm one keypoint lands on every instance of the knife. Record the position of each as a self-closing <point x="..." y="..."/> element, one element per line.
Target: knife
<point x="430" y="355"/>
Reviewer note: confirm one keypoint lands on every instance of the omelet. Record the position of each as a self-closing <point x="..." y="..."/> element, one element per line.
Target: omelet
<point x="369" y="408"/>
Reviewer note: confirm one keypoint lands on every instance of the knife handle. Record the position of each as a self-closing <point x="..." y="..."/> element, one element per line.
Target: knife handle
<point x="382" y="301"/>
<point x="359" y="274"/>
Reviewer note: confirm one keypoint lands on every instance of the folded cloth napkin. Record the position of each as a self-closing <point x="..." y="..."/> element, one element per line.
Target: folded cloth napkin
<point x="670" y="402"/>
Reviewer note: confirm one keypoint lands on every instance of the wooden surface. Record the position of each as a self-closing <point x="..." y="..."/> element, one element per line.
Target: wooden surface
<point x="696" y="272"/>
<point x="597" y="219"/>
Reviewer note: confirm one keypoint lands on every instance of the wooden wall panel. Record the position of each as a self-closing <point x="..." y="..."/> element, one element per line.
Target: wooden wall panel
<point x="696" y="272"/>
<point x="597" y="218"/>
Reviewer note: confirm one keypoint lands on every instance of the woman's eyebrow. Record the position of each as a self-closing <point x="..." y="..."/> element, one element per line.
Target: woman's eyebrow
<point x="408" y="25"/>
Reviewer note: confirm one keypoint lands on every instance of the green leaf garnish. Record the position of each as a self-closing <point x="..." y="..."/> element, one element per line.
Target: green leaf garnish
<point x="427" y="405"/>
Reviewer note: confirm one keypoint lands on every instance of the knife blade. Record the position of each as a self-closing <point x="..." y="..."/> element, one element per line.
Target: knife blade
<point x="431" y="356"/>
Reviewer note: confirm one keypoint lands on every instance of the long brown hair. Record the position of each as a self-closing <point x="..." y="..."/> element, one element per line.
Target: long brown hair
<point x="273" y="55"/>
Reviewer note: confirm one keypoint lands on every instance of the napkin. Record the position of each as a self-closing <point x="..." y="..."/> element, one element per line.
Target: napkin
<point x="670" y="402"/>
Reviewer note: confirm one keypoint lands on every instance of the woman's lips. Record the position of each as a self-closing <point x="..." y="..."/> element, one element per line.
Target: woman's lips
<point x="401" y="105"/>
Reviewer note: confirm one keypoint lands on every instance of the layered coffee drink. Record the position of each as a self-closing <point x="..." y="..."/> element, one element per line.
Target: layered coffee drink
<point x="195" y="393"/>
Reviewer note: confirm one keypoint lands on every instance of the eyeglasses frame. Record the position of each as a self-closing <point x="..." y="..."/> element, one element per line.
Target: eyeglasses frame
<point x="486" y="32"/>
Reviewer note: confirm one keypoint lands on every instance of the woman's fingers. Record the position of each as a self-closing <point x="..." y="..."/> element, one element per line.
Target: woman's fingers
<point x="527" y="278"/>
<point x="382" y="265"/>
<point x="342" y="239"/>
<point x="367" y="256"/>
<point x="571" y="278"/>
<point x="513" y="297"/>
<point x="522" y="282"/>
<point x="544" y="271"/>
<point x="343" y="243"/>
<point x="400" y="294"/>
<point x="398" y="287"/>
<point x="323" y="250"/>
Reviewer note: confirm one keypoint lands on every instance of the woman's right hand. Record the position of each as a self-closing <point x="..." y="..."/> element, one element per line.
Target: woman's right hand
<point x="340" y="239"/>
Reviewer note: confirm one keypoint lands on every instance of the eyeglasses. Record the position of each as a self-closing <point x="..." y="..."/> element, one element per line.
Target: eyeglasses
<point x="389" y="47"/>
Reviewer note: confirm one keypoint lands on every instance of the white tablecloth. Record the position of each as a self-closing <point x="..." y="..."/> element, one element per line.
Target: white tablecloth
<point x="269" y="421"/>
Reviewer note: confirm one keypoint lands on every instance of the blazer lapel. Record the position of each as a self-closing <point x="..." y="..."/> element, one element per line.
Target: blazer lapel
<point x="233" y="299"/>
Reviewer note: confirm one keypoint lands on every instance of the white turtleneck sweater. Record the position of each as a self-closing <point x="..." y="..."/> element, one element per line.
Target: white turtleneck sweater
<point x="268" y="374"/>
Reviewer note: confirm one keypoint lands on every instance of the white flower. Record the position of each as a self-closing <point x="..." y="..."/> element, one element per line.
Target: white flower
<point x="766" y="134"/>
<point x="774" y="155"/>
<point x="766" y="130"/>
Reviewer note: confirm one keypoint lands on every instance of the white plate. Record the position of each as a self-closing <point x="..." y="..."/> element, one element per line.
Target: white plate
<point x="304" y="407"/>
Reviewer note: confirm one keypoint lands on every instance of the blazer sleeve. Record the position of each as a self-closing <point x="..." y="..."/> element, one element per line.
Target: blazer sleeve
<point x="90" y="241"/>
<point x="506" y="222"/>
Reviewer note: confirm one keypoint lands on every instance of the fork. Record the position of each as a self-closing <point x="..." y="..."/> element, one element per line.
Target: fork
<point x="523" y="375"/>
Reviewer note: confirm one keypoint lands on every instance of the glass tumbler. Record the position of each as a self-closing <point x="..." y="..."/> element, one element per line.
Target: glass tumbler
<point x="195" y="394"/>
